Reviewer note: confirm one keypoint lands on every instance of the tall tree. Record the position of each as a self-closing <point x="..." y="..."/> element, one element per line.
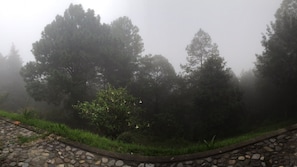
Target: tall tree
<point x="69" y="58"/>
<point x="248" y="87"/>
<point x="278" y="61"/>
<point x="2" y="68"/>
<point x="200" y="48"/>
<point x="124" y="30"/>
<point x="217" y="99"/>
<point x="131" y="47"/>
<point x="14" y="60"/>
<point x="3" y="65"/>
<point x="11" y="83"/>
<point x="154" y="84"/>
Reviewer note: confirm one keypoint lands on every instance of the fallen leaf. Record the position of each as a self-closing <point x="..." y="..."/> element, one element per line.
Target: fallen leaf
<point x="16" y="122"/>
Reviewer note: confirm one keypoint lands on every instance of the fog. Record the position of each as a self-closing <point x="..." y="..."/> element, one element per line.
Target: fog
<point x="166" y="26"/>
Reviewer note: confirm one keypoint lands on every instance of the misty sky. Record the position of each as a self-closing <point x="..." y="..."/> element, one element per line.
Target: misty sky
<point x="166" y="26"/>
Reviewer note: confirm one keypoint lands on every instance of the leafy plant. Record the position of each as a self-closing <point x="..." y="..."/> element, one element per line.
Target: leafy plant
<point x="210" y="144"/>
<point x="113" y="112"/>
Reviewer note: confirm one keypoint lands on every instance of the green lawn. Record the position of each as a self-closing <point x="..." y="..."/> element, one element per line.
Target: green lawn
<point x="170" y="147"/>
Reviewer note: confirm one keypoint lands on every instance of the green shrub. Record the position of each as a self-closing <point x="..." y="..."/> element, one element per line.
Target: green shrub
<point x="211" y="143"/>
<point x="113" y="112"/>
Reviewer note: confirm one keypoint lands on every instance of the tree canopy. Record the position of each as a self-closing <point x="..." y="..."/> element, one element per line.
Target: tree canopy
<point x="213" y="100"/>
<point x="153" y="85"/>
<point x="200" y="48"/>
<point x="278" y="61"/>
<point x="78" y="55"/>
<point x="130" y="49"/>
<point x="66" y="57"/>
<point x="124" y="30"/>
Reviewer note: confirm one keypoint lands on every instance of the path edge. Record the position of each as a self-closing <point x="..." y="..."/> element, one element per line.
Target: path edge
<point x="163" y="159"/>
<point x="179" y="158"/>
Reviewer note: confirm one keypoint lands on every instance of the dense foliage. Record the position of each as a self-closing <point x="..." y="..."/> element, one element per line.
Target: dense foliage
<point x="277" y="64"/>
<point x="154" y="84"/>
<point x="65" y="58"/>
<point x="113" y="111"/>
<point x="216" y="99"/>
<point x="75" y="57"/>
<point x="100" y="70"/>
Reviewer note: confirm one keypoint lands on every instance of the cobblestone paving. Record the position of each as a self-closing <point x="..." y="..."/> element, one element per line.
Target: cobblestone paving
<point x="280" y="151"/>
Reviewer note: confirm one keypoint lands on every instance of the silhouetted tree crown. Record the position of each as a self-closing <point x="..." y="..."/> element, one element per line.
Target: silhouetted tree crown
<point x="200" y="48"/>
<point x="278" y="61"/>
<point x="78" y="55"/>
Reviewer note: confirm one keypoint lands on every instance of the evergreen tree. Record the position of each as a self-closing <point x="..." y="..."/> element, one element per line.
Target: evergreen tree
<point x="154" y="83"/>
<point x="12" y="90"/>
<point x="217" y="100"/>
<point x="277" y="64"/>
<point x="200" y="48"/>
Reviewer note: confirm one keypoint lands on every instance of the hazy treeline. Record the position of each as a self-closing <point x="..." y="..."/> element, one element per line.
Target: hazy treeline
<point x="12" y="91"/>
<point x="78" y="56"/>
<point x="13" y="95"/>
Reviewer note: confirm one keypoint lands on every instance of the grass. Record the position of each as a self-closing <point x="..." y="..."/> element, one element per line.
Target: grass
<point x="27" y="139"/>
<point x="94" y="140"/>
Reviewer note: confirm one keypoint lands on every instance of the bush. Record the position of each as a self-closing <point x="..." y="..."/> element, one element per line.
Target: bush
<point x="113" y="111"/>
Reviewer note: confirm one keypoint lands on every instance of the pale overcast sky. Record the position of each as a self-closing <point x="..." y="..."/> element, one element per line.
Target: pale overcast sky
<point x="166" y="26"/>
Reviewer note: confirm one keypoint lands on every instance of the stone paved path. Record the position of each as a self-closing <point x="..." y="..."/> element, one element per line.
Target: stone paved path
<point x="279" y="151"/>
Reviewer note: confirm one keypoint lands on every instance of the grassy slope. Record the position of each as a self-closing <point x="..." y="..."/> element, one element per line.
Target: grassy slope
<point x="175" y="147"/>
